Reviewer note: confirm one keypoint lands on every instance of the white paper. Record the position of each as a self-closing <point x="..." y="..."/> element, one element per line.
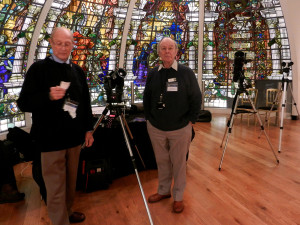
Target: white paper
<point x="64" y="85"/>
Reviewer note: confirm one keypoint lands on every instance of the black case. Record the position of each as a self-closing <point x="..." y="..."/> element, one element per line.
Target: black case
<point x="94" y="171"/>
<point x="204" y="116"/>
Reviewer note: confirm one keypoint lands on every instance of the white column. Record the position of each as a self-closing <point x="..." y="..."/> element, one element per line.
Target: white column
<point x="200" y="42"/>
<point x="125" y="32"/>
<point x="34" y="41"/>
<point x="291" y="13"/>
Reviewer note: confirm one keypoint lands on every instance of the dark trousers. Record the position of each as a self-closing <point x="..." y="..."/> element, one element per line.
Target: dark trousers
<point x="7" y="175"/>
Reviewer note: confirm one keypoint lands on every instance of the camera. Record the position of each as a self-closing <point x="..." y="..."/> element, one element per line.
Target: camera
<point x="286" y="67"/>
<point x="239" y="61"/>
<point x="114" y="80"/>
<point x="160" y="104"/>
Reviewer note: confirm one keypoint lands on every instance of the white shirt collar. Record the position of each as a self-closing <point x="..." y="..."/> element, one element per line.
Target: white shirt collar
<point x="174" y="66"/>
<point x="59" y="60"/>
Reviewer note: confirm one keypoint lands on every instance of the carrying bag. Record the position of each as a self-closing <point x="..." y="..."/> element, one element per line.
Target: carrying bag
<point x="204" y="116"/>
<point x="94" y="174"/>
<point x="23" y="142"/>
<point x="9" y="152"/>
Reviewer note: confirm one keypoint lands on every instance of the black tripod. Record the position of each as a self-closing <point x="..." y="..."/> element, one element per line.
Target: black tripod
<point x="241" y="90"/>
<point x="118" y="110"/>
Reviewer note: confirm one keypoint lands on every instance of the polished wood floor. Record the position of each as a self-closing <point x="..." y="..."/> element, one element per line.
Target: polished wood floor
<point x="251" y="188"/>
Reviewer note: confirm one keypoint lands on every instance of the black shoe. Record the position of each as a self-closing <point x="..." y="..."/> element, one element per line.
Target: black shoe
<point x="10" y="197"/>
<point x="76" y="217"/>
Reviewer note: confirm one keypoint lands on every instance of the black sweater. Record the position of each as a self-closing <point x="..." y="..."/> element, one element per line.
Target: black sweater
<point x="181" y="106"/>
<point x="52" y="127"/>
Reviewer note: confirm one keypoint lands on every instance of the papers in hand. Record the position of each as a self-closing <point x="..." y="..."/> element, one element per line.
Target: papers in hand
<point x="64" y="85"/>
<point x="69" y="105"/>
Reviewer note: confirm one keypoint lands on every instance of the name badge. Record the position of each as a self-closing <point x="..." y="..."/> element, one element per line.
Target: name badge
<point x="172" y="86"/>
<point x="172" y="79"/>
<point x="70" y="107"/>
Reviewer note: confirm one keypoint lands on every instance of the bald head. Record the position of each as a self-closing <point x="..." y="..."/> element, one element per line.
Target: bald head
<point x="167" y="39"/>
<point x="167" y="51"/>
<point x="62" y="30"/>
<point x="62" y="43"/>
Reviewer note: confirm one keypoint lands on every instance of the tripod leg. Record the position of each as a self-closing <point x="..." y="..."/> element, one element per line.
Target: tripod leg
<point x="262" y="126"/>
<point x="267" y="116"/>
<point x="96" y="125"/>
<point x="229" y="127"/>
<point x="235" y="99"/>
<point x="282" y="114"/>
<point x="135" y="168"/>
<point x="293" y="99"/>
<point x="132" y="139"/>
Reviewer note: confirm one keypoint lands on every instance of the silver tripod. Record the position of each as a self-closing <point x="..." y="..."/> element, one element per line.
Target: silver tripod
<point x="228" y="130"/>
<point x="286" y="70"/>
<point x="284" y="86"/>
<point x="123" y="122"/>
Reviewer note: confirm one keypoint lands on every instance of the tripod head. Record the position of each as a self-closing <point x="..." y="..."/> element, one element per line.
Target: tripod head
<point x="113" y="85"/>
<point x="238" y="70"/>
<point x="286" y="67"/>
<point x="116" y="108"/>
<point x="242" y="84"/>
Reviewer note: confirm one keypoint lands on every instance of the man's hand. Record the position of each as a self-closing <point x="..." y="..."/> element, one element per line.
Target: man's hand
<point x="89" y="139"/>
<point x="56" y="93"/>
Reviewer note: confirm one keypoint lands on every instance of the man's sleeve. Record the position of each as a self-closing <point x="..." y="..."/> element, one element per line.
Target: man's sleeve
<point x="147" y="97"/>
<point x="88" y="115"/>
<point x="33" y="95"/>
<point x="195" y="98"/>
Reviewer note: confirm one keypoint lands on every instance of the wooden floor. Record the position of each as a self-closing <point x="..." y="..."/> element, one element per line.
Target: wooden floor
<point x="251" y="188"/>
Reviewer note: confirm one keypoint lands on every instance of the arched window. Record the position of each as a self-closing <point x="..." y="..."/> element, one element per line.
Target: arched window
<point x="254" y="27"/>
<point x="17" y="22"/>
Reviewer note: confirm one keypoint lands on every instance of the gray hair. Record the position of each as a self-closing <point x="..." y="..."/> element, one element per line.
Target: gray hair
<point x="175" y="44"/>
<point x="56" y="29"/>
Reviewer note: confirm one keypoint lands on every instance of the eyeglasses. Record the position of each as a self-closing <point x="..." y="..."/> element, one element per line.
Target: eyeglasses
<point x="61" y="44"/>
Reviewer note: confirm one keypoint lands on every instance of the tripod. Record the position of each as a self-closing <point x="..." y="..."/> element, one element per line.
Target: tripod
<point x="228" y="130"/>
<point x="284" y="86"/>
<point x="120" y="115"/>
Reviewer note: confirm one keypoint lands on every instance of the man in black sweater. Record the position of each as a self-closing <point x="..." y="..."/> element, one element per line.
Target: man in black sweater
<point x="56" y="92"/>
<point x="172" y="101"/>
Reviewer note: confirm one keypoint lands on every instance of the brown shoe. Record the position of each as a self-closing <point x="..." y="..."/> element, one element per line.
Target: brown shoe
<point x="157" y="197"/>
<point x="178" y="206"/>
<point x="76" y="217"/>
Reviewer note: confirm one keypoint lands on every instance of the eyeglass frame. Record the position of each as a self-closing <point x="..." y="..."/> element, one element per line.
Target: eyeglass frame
<point x="61" y="44"/>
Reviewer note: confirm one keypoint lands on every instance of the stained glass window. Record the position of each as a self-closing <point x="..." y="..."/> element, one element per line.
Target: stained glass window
<point x="254" y="27"/>
<point x="17" y="22"/>
<point x="97" y="26"/>
<point x="150" y="22"/>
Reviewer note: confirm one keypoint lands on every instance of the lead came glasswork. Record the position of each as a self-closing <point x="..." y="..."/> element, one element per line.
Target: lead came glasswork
<point x="256" y="27"/>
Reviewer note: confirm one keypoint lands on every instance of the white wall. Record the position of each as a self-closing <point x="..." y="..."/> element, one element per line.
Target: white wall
<point x="291" y="12"/>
